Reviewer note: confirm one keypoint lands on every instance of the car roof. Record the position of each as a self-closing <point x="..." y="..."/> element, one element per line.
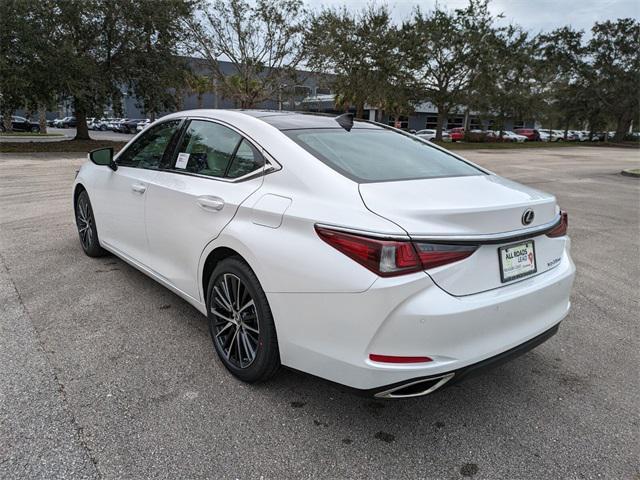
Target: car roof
<point x="303" y="120"/>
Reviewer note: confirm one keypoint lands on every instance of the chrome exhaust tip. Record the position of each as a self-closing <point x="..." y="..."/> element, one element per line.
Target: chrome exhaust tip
<point x="417" y="388"/>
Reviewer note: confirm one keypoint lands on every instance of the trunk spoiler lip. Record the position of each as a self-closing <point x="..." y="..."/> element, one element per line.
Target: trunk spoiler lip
<point x="454" y="239"/>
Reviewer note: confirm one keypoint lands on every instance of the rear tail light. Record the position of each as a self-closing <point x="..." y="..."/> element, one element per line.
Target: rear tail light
<point x="434" y="255"/>
<point x="561" y="229"/>
<point x="389" y="258"/>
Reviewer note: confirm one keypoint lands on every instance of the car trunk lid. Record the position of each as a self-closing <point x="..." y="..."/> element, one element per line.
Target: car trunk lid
<point x="481" y="209"/>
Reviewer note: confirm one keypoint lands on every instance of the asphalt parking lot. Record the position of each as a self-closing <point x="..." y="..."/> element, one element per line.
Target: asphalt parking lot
<point x="106" y="374"/>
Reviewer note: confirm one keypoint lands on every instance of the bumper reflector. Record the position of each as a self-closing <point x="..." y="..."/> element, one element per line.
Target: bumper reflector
<point x="393" y="359"/>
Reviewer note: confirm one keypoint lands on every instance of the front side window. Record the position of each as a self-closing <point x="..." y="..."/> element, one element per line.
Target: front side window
<point x="214" y="150"/>
<point x="148" y="150"/>
<point x="373" y="155"/>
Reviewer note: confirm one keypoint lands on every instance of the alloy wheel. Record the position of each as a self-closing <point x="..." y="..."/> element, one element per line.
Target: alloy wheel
<point x="236" y="329"/>
<point x="84" y="220"/>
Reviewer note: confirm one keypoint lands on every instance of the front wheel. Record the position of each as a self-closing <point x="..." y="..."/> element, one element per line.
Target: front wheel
<point x="241" y="323"/>
<point x="86" y="224"/>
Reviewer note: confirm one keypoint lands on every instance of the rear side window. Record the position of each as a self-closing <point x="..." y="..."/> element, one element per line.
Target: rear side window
<point x="368" y="155"/>
<point x="246" y="160"/>
<point x="207" y="149"/>
<point x="147" y="151"/>
<point x="211" y="149"/>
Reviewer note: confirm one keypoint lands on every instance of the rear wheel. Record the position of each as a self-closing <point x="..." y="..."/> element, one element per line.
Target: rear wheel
<point x="86" y="224"/>
<point x="241" y="323"/>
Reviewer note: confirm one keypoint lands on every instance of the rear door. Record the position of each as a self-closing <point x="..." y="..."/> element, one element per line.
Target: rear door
<point x="213" y="170"/>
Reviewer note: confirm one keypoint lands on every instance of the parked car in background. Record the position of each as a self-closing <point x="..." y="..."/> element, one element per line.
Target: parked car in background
<point x="90" y="121"/>
<point x="544" y="136"/>
<point x="21" y="124"/>
<point x="430" y="134"/>
<point x="554" y="135"/>
<point x="130" y="125"/>
<point x="102" y="124"/>
<point x="51" y="122"/>
<point x="142" y="125"/>
<point x="58" y="122"/>
<point x="397" y="276"/>
<point x="113" y="125"/>
<point x="532" y="134"/>
<point x="515" y="136"/>
<point x="69" y="122"/>
<point x="579" y="135"/>
<point x="457" y="134"/>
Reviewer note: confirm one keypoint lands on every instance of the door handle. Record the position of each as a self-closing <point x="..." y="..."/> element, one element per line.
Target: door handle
<point x="211" y="203"/>
<point x="139" y="188"/>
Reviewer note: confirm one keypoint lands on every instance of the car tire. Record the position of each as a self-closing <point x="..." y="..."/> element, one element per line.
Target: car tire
<point x="87" y="231"/>
<point x="103" y="128"/>
<point x="35" y="129"/>
<point x="241" y="323"/>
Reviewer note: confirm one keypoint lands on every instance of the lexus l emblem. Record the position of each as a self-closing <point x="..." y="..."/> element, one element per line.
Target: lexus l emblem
<point x="528" y="216"/>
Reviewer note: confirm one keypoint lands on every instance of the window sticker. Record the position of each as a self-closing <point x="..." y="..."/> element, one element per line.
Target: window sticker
<point x="183" y="159"/>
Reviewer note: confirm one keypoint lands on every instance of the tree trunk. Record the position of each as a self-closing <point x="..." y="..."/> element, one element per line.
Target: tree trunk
<point x="200" y="97"/>
<point x="42" y="118"/>
<point x="360" y="110"/>
<point x="6" y="121"/>
<point x="82" y="131"/>
<point x="442" y="114"/>
<point x="622" y="127"/>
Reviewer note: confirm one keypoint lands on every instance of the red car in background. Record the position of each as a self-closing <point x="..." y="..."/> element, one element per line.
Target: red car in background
<point x="531" y="133"/>
<point x="457" y="134"/>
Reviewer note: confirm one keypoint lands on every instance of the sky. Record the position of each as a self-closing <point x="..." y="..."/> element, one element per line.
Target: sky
<point x="533" y="15"/>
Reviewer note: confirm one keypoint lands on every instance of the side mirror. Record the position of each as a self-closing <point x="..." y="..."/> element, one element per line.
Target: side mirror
<point x="103" y="156"/>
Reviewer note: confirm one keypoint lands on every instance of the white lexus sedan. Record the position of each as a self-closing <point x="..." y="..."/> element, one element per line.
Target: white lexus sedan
<point x="346" y="249"/>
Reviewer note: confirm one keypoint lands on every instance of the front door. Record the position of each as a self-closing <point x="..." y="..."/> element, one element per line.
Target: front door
<point x="121" y="194"/>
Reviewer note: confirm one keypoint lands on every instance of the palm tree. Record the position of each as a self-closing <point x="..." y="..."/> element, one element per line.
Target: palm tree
<point x="200" y="85"/>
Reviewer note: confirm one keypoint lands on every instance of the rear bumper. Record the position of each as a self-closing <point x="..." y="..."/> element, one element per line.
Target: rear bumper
<point x="425" y="385"/>
<point x="331" y="335"/>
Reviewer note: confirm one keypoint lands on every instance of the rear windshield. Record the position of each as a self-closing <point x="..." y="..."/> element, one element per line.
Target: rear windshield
<point x="379" y="155"/>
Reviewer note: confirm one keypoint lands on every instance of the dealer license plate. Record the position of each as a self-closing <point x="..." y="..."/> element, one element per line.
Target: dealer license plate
<point x="517" y="261"/>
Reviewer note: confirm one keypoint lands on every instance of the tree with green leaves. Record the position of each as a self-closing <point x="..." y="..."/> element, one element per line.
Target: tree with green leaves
<point x="262" y="40"/>
<point x="199" y="85"/>
<point x="362" y="51"/>
<point x="25" y="66"/>
<point x="88" y="51"/>
<point x="506" y="86"/>
<point x="446" y="49"/>
<point x="614" y="50"/>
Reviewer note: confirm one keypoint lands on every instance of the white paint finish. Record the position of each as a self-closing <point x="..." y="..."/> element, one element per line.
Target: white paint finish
<point x="480" y="204"/>
<point x="269" y="210"/>
<point x="329" y="311"/>
<point x="179" y="227"/>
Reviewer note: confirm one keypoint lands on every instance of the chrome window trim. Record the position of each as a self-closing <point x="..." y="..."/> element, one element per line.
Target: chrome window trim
<point x="271" y="165"/>
<point x="490" y="238"/>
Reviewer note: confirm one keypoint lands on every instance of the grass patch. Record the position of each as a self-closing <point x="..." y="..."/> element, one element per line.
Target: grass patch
<point x="528" y="145"/>
<point x="506" y="146"/>
<point x="631" y="172"/>
<point x="83" y="146"/>
<point x="30" y="134"/>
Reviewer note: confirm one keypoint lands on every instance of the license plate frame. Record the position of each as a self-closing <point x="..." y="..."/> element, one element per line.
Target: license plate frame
<point x="517" y="276"/>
